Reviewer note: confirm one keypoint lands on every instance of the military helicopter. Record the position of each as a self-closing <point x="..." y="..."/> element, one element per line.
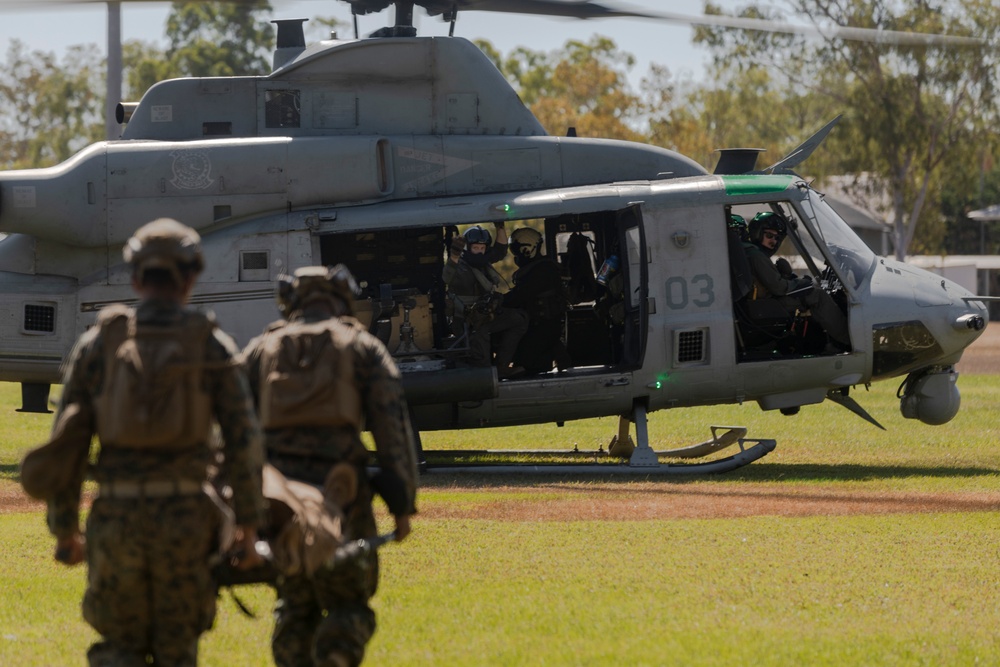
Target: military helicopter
<point x="374" y="152"/>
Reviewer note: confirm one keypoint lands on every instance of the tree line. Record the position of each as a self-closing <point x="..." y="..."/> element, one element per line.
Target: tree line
<point x="918" y="139"/>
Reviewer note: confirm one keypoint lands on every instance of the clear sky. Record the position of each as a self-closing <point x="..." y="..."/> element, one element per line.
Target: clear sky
<point x="53" y="26"/>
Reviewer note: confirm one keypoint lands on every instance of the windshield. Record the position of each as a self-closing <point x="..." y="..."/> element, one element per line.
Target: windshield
<point x="852" y="259"/>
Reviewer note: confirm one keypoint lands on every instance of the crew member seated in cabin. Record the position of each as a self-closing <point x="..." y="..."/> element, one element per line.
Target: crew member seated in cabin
<point x="473" y="285"/>
<point x="775" y="280"/>
<point x="539" y="291"/>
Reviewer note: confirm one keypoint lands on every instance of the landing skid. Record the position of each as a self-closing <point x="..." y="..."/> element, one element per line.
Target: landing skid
<point x="642" y="460"/>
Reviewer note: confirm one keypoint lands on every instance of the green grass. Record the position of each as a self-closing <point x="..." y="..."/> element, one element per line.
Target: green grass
<point x="896" y="589"/>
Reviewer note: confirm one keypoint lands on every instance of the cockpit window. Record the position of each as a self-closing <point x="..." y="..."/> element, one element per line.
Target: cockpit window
<point x="851" y="257"/>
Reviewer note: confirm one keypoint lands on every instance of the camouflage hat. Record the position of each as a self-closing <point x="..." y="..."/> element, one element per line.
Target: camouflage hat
<point x="165" y="244"/>
<point x="312" y="283"/>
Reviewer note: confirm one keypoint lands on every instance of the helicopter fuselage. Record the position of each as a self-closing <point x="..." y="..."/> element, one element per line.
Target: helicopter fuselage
<point x="373" y="154"/>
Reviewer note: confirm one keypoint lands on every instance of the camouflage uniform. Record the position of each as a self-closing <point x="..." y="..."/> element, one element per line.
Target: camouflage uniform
<point x="150" y="590"/>
<point x="326" y="619"/>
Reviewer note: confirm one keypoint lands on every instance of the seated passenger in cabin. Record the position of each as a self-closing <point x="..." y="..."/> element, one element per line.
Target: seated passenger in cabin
<point x="473" y="285"/>
<point x="775" y="280"/>
<point x="539" y="291"/>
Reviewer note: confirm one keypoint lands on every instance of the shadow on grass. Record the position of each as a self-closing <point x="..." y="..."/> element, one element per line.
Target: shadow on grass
<point x="757" y="472"/>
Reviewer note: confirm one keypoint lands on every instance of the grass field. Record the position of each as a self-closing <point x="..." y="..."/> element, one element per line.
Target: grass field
<point x="846" y="545"/>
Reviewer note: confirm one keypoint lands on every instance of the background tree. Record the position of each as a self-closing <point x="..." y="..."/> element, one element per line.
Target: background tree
<point x="584" y="85"/>
<point x="50" y="109"/>
<point x="907" y="110"/>
<point x="205" y="39"/>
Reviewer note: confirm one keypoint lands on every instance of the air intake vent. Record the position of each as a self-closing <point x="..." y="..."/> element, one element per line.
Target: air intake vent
<point x="690" y="347"/>
<point x="39" y="319"/>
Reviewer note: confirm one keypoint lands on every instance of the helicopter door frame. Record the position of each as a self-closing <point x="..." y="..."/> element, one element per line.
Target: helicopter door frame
<point x="636" y="254"/>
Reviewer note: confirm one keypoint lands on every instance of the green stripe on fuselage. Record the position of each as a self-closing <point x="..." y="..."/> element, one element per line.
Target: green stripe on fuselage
<point x="755" y="185"/>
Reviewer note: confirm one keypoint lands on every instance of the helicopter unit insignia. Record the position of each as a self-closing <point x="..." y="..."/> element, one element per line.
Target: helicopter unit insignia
<point x="191" y="170"/>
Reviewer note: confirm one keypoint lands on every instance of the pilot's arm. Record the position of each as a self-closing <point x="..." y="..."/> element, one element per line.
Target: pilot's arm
<point x="768" y="276"/>
<point x="501" y="233"/>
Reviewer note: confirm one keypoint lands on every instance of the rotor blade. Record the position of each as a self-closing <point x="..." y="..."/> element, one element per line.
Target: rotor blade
<point x="837" y="397"/>
<point x="578" y="9"/>
<point x="584" y="9"/>
<point x="876" y="35"/>
<point x="803" y="150"/>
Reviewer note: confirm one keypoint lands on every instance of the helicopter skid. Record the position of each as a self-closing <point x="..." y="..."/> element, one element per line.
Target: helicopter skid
<point x="732" y="435"/>
<point x="745" y="456"/>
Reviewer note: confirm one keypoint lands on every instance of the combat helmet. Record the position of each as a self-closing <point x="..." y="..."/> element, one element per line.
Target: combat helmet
<point x="167" y="245"/>
<point x="738" y="225"/>
<point x="768" y="221"/>
<point x="525" y="243"/>
<point x="316" y="283"/>
<point x="477" y="234"/>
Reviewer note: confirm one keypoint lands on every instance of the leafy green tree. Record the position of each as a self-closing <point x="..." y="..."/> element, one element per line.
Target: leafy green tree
<point x="205" y="39"/>
<point x="50" y="109"/>
<point x="584" y="85"/>
<point x="907" y="109"/>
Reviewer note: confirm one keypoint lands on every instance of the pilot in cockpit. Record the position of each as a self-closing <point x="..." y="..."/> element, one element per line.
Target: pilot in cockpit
<point x="776" y="280"/>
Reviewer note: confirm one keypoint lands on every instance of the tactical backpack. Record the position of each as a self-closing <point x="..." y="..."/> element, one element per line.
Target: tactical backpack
<point x="307" y="376"/>
<point x="153" y="395"/>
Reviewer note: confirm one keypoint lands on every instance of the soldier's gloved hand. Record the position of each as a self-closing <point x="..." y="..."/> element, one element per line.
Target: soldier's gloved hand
<point x="784" y="268"/>
<point x="803" y="282"/>
<point x="71" y="550"/>
<point x="499" y="225"/>
<point x="457" y="246"/>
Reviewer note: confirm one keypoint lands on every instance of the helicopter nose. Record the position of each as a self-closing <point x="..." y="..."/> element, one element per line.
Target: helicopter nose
<point x="922" y="320"/>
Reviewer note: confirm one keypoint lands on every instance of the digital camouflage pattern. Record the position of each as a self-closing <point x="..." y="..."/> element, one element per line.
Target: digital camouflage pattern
<point x="326" y="619"/>
<point x="157" y="549"/>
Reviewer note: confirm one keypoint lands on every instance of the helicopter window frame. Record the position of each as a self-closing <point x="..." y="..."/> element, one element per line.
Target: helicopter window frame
<point x="845" y="253"/>
<point x="282" y="108"/>
<point x="810" y="247"/>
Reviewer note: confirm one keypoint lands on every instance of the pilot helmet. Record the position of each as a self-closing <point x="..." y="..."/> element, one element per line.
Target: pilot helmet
<point x="738" y="224"/>
<point x="476" y="234"/>
<point x="316" y="283"/>
<point x="167" y="245"/>
<point x="525" y="243"/>
<point x="768" y="221"/>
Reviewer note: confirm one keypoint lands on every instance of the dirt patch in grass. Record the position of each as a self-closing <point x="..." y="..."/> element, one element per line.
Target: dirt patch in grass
<point x="13" y="499"/>
<point x="639" y="501"/>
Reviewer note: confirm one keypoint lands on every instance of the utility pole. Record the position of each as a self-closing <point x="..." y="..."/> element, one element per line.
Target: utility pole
<point x="114" y="76"/>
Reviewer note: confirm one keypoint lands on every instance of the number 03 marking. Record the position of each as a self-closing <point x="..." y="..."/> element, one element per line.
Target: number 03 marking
<point x="679" y="294"/>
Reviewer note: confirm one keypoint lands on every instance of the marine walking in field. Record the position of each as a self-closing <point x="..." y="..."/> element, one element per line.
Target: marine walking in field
<point x="318" y="378"/>
<point x="150" y="381"/>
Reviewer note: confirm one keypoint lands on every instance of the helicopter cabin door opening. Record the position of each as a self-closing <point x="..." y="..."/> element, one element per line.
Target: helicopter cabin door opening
<point x="788" y="299"/>
<point x="600" y="307"/>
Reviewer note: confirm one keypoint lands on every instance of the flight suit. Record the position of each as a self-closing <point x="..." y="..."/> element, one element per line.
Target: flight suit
<point x="768" y="283"/>
<point x="467" y="283"/>
<point x="538" y="290"/>
<point x="322" y="619"/>
<point x="155" y="523"/>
